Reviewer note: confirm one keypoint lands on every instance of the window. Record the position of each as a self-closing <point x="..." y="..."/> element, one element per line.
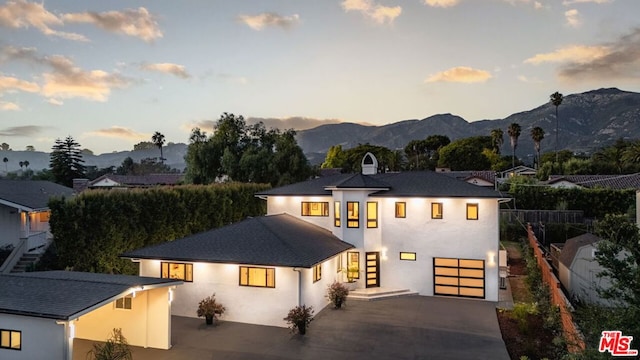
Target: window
<point x="44" y="216"/>
<point x="315" y="208"/>
<point x="436" y="210"/>
<point x="401" y="209"/>
<point x="372" y="214"/>
<point x="353" y="265"/>
<point x="10" y="339"/>
<point x="317" y="272"/>
<point x="177" y="271"/>
<point x="472" y="211"/>
<point x="124" y="303"/>
<point x="353" y="214"/>
<point x="336" y="214"/>
<point x="411" y="256"/>
<point x="256" y="276"/>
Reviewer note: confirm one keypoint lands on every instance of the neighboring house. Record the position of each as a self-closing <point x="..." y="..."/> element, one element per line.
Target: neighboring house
<point x="616" y="182"/>
<point x="481" y="178"/>
<point x="519" y="170"/>
<point x="24" y="214"/>
<point x="422" y="231"/>
<point x="113" y="181"/>
<point x="42" y="312"/>
<point x="578" y="269"/>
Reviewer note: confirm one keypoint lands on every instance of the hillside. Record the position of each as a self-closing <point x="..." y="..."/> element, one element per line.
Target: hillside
<point x="587" y="122"/>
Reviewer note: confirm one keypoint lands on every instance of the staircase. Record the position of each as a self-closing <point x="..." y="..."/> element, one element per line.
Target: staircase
<point x="25" y="262"/>
<point x="372" y="294"/>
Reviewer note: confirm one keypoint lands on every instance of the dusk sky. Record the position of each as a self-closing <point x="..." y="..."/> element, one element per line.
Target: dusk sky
<point x="110" y="73"/>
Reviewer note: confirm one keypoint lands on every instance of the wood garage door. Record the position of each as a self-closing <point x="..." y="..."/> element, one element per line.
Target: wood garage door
<point x="458" y="277"/>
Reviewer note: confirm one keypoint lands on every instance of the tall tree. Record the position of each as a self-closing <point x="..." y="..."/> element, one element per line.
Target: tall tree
<point x="5" y="147"/>
<point x="66" y="161"/>
<point x="497" y="139"/>
<point x="514" y="131"/>
<point x="30" y="148"/>
<point x="158" y="140"/>
<point x="466" y="154"/>
<point x="556" y="99"/>
<point x="537" y="134"/>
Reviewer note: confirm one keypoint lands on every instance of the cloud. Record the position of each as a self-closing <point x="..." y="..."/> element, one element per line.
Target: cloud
<point x="573" y="18"/>
<point x="231" y="79"/>
<point x="55" y="102"/>
<point x="132" y="22"/>
<point x="120" y="133"/>
<point x="9" y="106"/>
<point x="441" y="3"/>
<point x="65" y="79"/>
<point x="26" y="130"/>
<point x="167" y="68"/>
<point x="8" y="83"/>
<point x="22" y="14"/>
<point x="621" y="61"/>
<point x="525" y="79"/>
<point x="378" y="13"/>
<point x="575" y="53"/>
<point x="462" y="74"/>
<point x="260" y="21"/>
<point x="569" y="2"/>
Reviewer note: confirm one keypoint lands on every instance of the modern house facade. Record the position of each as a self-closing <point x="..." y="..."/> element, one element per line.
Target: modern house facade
<point x="422" y="231"/>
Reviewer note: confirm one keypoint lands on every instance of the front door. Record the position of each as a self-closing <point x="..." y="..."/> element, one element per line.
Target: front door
<point x="373" y="269"/>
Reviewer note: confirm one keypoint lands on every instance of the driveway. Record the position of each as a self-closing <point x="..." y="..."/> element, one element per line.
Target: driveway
<point x="414" y="327"/>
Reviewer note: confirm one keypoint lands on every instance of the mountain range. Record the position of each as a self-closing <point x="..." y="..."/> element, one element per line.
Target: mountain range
<point x="586" y="122"/>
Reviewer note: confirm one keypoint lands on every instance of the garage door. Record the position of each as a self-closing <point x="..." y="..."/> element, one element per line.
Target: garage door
<point x="458" y="277"/>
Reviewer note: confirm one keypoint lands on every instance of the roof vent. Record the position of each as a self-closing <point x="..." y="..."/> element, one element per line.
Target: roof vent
<point x="369" y="164"/>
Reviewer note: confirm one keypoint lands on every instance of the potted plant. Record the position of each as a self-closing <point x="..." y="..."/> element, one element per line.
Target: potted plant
<point x="299" y="318"/>
<point x="352" y="273"/>
<point x="210" y="309"/>
<point x="337" y="294"/>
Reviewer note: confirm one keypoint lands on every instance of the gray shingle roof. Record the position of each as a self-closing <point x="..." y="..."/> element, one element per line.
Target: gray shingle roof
<point x="31" y="194"/>
<point x="627" y="181"/>
<point x="141" y="180"/>
<point x="402" y="184"/>
<point x="275" y="240"/>
<point x="64" y="295"/>
<point x="571" y="247"/>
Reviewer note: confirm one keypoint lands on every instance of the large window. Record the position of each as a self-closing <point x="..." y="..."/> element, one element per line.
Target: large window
<point x="124" y="302"/>
<point x="317" y="272"/>
<point x="353" y="265"/>
<point x="336" y="214"/>
<point x="315" y="208"/>
<point x="401" y="209"/>
<point x="10" y="339"/>
<point x="372" y="214"/>
<point x="177" y="271"/>
<point x="472" y="211"/>
<point x="257" y="276"/>
<point x="436" y="210"/>
<point x="353" y="214"/>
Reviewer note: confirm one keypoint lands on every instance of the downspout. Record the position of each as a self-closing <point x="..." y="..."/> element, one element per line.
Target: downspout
<point x="67" y="340"/>
<point x="299" y="285"/>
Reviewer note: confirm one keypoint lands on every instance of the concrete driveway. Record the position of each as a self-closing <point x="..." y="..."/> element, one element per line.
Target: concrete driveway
<point x="414" y="327"/>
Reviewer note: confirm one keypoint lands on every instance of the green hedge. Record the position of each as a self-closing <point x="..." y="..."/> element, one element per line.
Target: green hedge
<point x="594" y="202"/>
<point x="92" y="229"/>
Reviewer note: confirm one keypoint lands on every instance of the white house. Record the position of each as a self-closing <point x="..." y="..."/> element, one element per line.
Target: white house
<point x="422" y="231"/>
<point x="578" y="269"/>
<point x="24" y="216"/>
<point x="42" y="312"/>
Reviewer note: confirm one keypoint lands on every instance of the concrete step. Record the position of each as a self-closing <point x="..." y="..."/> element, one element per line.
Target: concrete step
<point x="371" y="294"/>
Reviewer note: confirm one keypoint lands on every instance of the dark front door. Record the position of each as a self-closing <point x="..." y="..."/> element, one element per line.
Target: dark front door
<point x="373" y="269"/>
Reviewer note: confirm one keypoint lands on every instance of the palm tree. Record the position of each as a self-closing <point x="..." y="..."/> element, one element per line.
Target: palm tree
<point x="497" y="139"/>
<point x="514" y="131"/>
<point x="21" y="163"/>
<point x="556" y="100"/>
<point x="5" y="161"/>
<point x="26" y="164"/>
<point x="537" y="134"/>
<point x="158" y="140"/>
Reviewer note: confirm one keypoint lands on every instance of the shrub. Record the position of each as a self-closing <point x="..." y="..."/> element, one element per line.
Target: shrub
<point x="116" y="348"/>
<point x="210" y="308"/>
<point x="299" y="318"/>
<point x="337" y="294"/>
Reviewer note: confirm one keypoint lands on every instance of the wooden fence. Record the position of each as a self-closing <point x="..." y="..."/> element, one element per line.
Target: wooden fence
<point x="544" y="216"/>
<point x="575" y="341"/>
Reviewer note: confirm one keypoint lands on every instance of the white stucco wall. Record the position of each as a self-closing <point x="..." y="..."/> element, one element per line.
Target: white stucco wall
<point x="255" y="305"/>
<point x="10" y="225"/>
<point x="41" y="338"/>
<point x="314" y="293"/>
<point x="292" y="205"/>
<point x="146" y="324"/>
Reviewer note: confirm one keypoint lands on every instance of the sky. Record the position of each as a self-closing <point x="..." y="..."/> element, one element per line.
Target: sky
<point x="111" y="73"/>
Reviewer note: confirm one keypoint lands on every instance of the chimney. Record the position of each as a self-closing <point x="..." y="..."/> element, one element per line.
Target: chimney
<point x="369" y="164"/>
<point x="79" y="185"/>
